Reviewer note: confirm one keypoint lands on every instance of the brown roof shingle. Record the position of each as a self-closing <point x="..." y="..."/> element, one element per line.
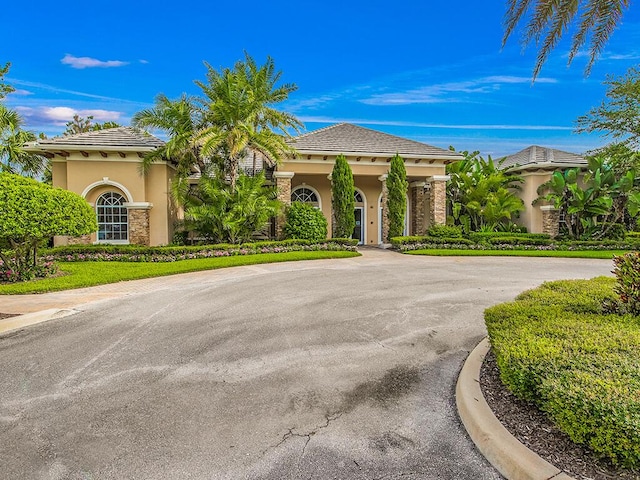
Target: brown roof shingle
<point x="535" y="155"/>
<point x="110" y="137"/>
<point x="348" y="138"/>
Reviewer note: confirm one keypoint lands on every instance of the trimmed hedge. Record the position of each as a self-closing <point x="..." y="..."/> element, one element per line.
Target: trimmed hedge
<point x="479" y="237"/>
<point x="554" y="347"/>
<point x="138" y="253"/>
<point x="419" y="242"/>
<point x="519" y="240"/>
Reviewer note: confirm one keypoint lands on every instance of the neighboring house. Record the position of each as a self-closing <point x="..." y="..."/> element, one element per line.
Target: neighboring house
<point x="105" y="168"/>
<point x="536" y="165"/>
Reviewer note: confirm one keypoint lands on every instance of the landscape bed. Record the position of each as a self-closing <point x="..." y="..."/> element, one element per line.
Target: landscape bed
<point x="557" y="348"/>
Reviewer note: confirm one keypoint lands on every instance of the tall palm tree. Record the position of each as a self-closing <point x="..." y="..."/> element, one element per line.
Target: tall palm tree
<point x="240" y="114"/>
<point x="13" y="157"/>
<point x="180" y="119"/>
<point x="597" y="19"/>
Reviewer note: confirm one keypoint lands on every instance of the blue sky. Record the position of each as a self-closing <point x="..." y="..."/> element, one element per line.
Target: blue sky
<point x="426" y="70"/>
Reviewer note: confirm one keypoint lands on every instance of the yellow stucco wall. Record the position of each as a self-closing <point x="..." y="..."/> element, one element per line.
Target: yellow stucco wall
<point x="77" y="173"/>
<point x="531" y="217"/>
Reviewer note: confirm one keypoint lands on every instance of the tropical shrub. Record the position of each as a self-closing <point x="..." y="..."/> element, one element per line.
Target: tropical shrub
<point x="397" y="186"/>
<point x="305" y="222"/>
<point x="446" y="231"/>
<point x="555" y="348"/>
<point x="343" y="198"/>
<point x="598" y="206"/>
<point x="223" y="213"/>
<point x="31" y="212"/>
<point x="627" y="272"/>
<point x="480" y="194"/>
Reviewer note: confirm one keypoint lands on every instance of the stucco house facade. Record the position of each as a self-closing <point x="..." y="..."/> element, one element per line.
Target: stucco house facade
<point x="104" y="167"/>
<point x="535" y="165"/>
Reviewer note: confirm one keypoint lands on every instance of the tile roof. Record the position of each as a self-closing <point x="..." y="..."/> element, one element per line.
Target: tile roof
<point x="348" y="138"/>
<point x="535" y="155"/>
<point x="108" y="138"/>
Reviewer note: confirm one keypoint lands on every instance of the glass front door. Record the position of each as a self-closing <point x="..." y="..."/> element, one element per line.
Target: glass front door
<point x="358" y="232"/>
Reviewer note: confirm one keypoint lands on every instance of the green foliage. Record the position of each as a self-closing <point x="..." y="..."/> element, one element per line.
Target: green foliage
<point x="480" y="237"/>
<point x="82" y="125"/>
<point x="480" y="194"/>
<point x="445" y="231"/>
<point x="305" y="222"/>
<point x="31" y="212"/>
<point x="518" y="240"/>
<point x="627" y="272"/>
<point x="5" y="88"/>
<point x="594" y="20"/>
<point x="224" y="213"/>
<point x="617" y="116"/>
<point x="596" y="205"/>
<point x="343" y="198"/>
<point x="418" y="242"/>
<point x="555" y="348"/>
<point x="397" y="186"/>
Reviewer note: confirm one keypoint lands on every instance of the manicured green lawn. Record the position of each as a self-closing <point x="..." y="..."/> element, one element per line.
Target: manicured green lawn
<point x="604" y="254"/>
<point x="87" y="274"/>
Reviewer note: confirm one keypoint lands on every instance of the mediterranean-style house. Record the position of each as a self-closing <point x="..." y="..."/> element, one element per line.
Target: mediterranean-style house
<point x="536" y="165"/>
<point x="104" y="167"/>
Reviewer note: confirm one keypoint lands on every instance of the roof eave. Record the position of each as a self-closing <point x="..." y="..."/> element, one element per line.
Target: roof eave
<point x="51" y="147"/>
<point x="545" y="165"/>
<point x="381" y="155"/>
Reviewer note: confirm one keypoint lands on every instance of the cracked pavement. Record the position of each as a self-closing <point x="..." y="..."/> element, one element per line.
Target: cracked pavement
<point x="333" y="369"/>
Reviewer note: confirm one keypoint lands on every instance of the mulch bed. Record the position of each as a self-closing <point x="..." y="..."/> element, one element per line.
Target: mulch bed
<point x="533" y="429"/>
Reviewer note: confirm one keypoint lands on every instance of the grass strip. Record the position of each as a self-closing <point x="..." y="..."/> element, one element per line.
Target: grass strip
<point x="599" y="254"/>
<point x="88" y="274"/>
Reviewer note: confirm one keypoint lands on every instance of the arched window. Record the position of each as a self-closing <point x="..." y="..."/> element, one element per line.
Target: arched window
<point x="305" y="195"/>
<point x="358" y="197"/>
<point x="113" y="221"/>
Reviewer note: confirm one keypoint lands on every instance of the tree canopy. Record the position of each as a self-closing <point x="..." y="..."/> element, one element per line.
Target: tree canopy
<point x="547" y="21"/>
<point x="82" y="125"/>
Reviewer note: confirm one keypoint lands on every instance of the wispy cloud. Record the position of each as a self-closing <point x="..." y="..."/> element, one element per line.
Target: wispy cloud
<point x="392" y="123"/>
<point x="61" y="115"/>
<point x="450" y="91"/>
<point x="88" y="62"/>
<point x="54" y="89"/>
<point x="21" y="93"/>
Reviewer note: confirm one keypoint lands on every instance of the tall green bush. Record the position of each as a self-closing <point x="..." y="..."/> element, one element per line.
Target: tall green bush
<point x="397" y="186"/>
<point x="627" y="272"/>
<point x="305" y="222"/>
<point x="31" y="212"/>
<point x="342" y="198"/>
<point x="224" y="213"/>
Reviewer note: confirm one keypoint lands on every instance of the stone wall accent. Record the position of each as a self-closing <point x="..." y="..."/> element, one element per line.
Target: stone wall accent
<point x="383" y="204"/>
<point x="82" y="240"/>
<point x="139" y="226"/>
<point x="550" y="220"/>
<point x="283" y="184"/>
<point x="438" y="200"/>
<point x="418" y="199"/>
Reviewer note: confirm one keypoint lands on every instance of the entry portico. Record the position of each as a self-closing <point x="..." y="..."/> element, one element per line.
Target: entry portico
<point x="306" y="177"/>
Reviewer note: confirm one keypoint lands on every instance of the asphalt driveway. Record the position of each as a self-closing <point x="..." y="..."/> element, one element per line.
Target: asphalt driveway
<point x="332" y="369"/>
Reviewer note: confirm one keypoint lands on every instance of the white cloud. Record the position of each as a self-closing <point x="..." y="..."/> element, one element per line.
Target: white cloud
<point x="144" y="62"/>
<point x="61" y="115"/>
<point x="88" y="62"/>
<point x="446" y="126"/>
<point x="21" y="93"/>
<point x="449" y="92"/>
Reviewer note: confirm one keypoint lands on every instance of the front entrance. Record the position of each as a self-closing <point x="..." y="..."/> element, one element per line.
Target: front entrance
<point x="358" y="232"/>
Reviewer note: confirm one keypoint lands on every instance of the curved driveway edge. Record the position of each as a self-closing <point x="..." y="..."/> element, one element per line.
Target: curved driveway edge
<point x="510" y="457"/>
<point x="21" y="321"/>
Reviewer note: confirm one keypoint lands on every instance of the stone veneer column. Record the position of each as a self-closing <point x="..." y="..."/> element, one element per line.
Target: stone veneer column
<point x="550" y="220"/>
<point x="283" y="184"/>
<point x="418" y="198"/>
<point x="438" y="199"/>
<point x="139" y="226"/>
<point x="383" y="203"/>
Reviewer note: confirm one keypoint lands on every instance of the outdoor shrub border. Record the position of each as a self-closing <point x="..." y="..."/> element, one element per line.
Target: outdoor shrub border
<point x="556" y="349"/>
<point x="137" y="253"/>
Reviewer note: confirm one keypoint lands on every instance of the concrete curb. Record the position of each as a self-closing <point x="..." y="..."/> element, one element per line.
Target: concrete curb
<point x="510" y="457"/>
<point x="21" y="321"/>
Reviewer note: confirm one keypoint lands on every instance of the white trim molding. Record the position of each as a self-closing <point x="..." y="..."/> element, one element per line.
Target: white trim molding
<point x="548" y="208"/>
<point x="106" y="181"/>
<point x="382" y="178"/>
<point x="417" y="184"/>
<point x="439" y="178"/>
<point x="138" y="205"/>
<point x="283" y="174"/>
